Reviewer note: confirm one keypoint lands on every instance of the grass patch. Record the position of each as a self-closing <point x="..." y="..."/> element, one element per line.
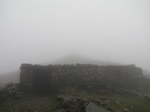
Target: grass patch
<point x="48" y="103"/>
<point x="31" y="102"/>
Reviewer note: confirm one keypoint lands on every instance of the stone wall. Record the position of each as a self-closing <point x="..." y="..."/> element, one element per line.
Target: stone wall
<point x="26" y="77"/>
<point x="83" y="75"/>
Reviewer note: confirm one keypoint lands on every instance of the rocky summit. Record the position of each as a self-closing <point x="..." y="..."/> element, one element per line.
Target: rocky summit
<point x="77" y="88"/>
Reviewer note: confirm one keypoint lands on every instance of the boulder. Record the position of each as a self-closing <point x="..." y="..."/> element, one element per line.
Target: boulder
<point x="110" y="108"/>
<point x="92" y="107"/>
<point x="147" y="96"/>
<point x="126" y="110"/>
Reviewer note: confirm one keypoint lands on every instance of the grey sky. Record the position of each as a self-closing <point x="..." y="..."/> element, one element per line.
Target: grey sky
<point x="39" y="31"/>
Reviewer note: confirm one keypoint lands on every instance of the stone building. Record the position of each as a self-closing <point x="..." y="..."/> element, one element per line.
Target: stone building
<point x="37" y="78"/>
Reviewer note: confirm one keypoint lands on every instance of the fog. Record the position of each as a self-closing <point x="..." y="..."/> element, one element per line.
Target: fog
<point x="41" y="31"/>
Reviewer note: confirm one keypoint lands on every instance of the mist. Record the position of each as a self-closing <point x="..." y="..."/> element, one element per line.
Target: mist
<point x="42" y="31"/>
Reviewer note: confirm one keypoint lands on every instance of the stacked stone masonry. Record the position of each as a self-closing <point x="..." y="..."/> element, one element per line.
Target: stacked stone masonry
<point x="82" y="75"/>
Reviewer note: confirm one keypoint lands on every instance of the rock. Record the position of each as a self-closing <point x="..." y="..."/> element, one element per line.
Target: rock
<point x="72" y="104"/>
<point x="64" y="98"/>
<point x="85" y="99"/>
<point x="139" y="95"/>
<point x="126" y="110"/>
<point x="140" y="89"/>
<point x="147" y="96"/>
<point x="105" y="102"/>
<point x="10" y="84"/>
<point x="18" y="95"/>
<point x="110" y="108"/>
<point x="117" y="102"/>
<point x="98" y="101"/>
<point x="92" y="107"/>
<point x="60" y="110"/>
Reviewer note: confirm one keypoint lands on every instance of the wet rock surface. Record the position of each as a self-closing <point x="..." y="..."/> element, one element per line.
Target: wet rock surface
<point x="81" y="104"/>
<point x="10" y="90"/>
<point x="92" y="107"/>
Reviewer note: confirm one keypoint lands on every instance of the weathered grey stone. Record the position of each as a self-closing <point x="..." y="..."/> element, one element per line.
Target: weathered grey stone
<point x="10" y="84"/>
<point x="18" y="95"/>
<point x="64" y="98"/>
<point x="92" y="77"/>
<point x="126" y="110"/>
<point x="110" y="108"/>
<point x="147" y="96"/>
<point x="105" y="102"/>
<point x="92" y="107"/>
